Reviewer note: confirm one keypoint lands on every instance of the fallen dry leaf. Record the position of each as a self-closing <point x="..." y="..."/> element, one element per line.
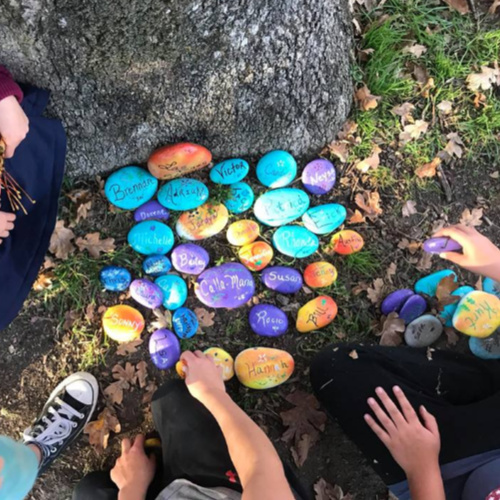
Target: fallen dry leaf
<point x="48" y="263"/>
<point x="411" y="246"/>
<point x="425" y="262"/>
<point x="443" y="292"/>
<point x="405" y="111"/>
<point x="94" y="245"/>
<point x="421" y="75"/>
<point x="428" y="169"/>
<point x="325" y="491"/>
<point x="340" y="149"/>
<point x="391" y="271"/>
<point x="347" y="133"/>
<point x="376" y="291"/>
<point x="445" y="107"/>
<point x="409" y="208"/>
<point x="69" y="319"/>
<point x="472" y="218"/>
<point x="453" y="146"/>
<point x="142" y="373"/>
<point x="114" y="393"/>
<point x="479" y="100"/>
<point x="82" y="212"/>
<point x="354" y="354"/>
<point x="43" y="281"/>
<point x="494" y="6"/>
<point x="125" y="374"/>
<point x="495" y="175"/>
<point x="483" y="80"/>
<point x="461" y="6"/>
<point x="163" y="320"/>
<point x="451" y="336"/>
<point x="373" y="161"/>
<point x="413" y="131"/>
<point x="148" y="394"/>
<point x="416" y="49"/>
<point x="392" y="330"/>
<point x="205" y="318"/>
<point x="369" y="202"/>
<point x="100" y="429"/>
<point x="128" y="347"/>
<point x="356" y="218"/>
<point x="60" y="241"/>
<point x="90" y="312"/>
<point x="365" y="99"/>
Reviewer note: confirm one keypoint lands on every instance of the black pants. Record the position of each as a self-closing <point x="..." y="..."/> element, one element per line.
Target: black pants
<point x="461" y="391"/>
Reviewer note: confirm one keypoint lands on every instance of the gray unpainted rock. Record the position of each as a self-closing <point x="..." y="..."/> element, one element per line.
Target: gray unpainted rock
<point x="241" y="77"/>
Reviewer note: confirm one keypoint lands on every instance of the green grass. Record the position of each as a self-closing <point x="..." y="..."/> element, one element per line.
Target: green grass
<point x="364" y="263"/>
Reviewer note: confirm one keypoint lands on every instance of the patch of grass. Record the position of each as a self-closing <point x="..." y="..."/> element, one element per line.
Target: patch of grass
<point x="383" y="177"/>
<point x="235" y="327"/>
<point x="219" y="193"/>
<point x="364" y="263"/>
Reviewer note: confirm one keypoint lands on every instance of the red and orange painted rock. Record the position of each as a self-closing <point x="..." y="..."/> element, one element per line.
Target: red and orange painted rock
<point x="347" y="242"/>
<point x="316" y="314"/>
<point x="477" y="314"/>
<point x="320" y="274"/>
<point x="224" y="360"/>
<point x="177" y="160"/>
<point x="202" y="222"/>
<point x="263" y="367"/>
<point x="256" y="256"/>
<point x="123" y="323"/>
<point x="242" y="232"/>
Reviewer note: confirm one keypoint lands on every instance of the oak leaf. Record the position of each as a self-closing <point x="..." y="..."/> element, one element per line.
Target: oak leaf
<point x="391" y="271"/>
<point x="365" y="99"/>
<point x="43" y="281"/>
<point x="373" y="161"/>
<point x="461" y="6"/>
<point x="415" y="49"/>
<point x="405" y="111"/>
<point x="413" y="131"/>
<point x="325" y="491"/>
<point x="428" y="169"/>
<point x="356" y="218"/>
<point x="425" y="262"/>
<point x="409" y="208"/>
<point x="392" y="330"/>
<point x="347" y="133"/>
<point x="339" y="149"/>
<point x="411" y="246"/>
<point x="163" y="320"/>
<point x="445" y="107"/>
<point x="128" y="347"/>
<point x="453" y="146"/>
<point x="472" y="218"/>
<point x="376" y="291"/>
<point x="369" y="202"/>
<point x="60" y="241"/>
<point x="94" y="245"/>
<point x="205" y="318"/>
<point x="100" y="429"/>
<point x="141" y="373"/>
<point x="483" y="80"/>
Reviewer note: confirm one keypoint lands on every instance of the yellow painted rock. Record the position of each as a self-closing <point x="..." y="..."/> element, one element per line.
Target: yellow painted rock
<point x="222" y="359"/>
<point x="242" y="232"/>
<point x="202" y="222"/>
<point x="316" y="314"/>
<point x="263" y="367"/>
<point x="477" y="314"/>
<point x="347" y="242"/>
<point x="256" y="256"/>
<point x="320" y="274"/>
<point x="123" y="323"/>
<point x="179" y="368"/>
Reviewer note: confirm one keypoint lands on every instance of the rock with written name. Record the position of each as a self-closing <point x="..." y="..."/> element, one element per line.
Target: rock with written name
<point x="477" y="314"/>
<point x="423" y="331"/>
<point x="164" y="348"/>
<point x="223" y="359"/>
<point x="276" y="169"/>
<point x="263" y="367"/>
<point x="130" y="187"/>
<point x="282" y="279"/>
<point x="183" y="194"/>
<point x="324" y="219"/>
<point x="151" y="238"/>
<point x="428" y="284"/>
<point x="319" y="176"/>
<point x="295" y="241"/>
<point x="229" y="171"/>
<point x="242" y="232"/>
<point x="115" y="279"/>
<point x="190" y="258"/>
<point x="185" y="323"/>
<point x="174" y="290"/>
<point x="346" y="242"/>
<point x="414" y="307"/>
<point x="281" y="206"/>
<point x="156" y="265"/>
<point x="240" y="198"/>
<point x="146" y="293"/>
<point x="316" y="314"/>
<point x="123" y="323"/>
<point x="320" y="274"/>
<point x="487" y="348"/>
<point x="268" y="320"/>
<point x="202" y="222"/>
<point x="491" y="286"/>
<point x="151" y="210"/>
<point x="256" y="256"/>
<point x="449" y="310"/>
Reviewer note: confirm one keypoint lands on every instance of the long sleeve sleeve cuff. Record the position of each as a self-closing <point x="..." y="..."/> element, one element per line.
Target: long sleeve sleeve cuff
<point x="8" y="86"/>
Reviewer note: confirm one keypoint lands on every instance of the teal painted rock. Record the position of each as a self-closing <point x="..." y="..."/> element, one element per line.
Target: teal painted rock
<point x="324" y="219"/>
<point x="449" y="310"/>
<point x="156" y="265"/>
<point x="151" y="237"/>
<point x="295" y="241"/>
<point x="130" y="187"/>
<point x="491" y="286"/>
<point x="183" y="194"/>
<point x="276" y="169"/>
<point x="229" y="171"/>
<point x="240" y="198"/>
<point x="488" y="348"/>
<point x="281" y="206"/>
<point x="428" y="284"/>
<point x="174" y="290"/>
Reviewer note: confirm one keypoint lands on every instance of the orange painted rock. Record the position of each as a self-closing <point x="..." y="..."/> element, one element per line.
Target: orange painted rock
<point x="123" y="323"/>
<point x="477" y="314"/>
<point x="202" y="222"/>
<point x="320" y="274"/>
<point x="242" y="232"/>
<point x="177" y="160"/>
<point x="263" y="367"/>
<point x="224" y="360"/>
<point x="316" y="314"/>
<point x="179" y="368"/>
<point x="256" y="256"/>
<point x="347" y="242"/>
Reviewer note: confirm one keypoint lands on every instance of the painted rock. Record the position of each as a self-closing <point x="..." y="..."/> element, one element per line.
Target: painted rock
<point x="268" y="320"/>
<point x="242" y="232"/>
<point x="316" y="314"/>
<point x="202" y="222"/>
<point x="282" y="279"/>
<point x="185" y="322"/>
<point x="414" y="307"/>
<point x="346" y="242"/>
<point x="276" y="169"/>
<point x="240" y="198"/>
<point x="223" y="359"/>
<point x="151" y="210"/>
<point x="295" y="241"/>
<point x="151" y="238"/>
<point x="395" y="300"/>
<point x="488" y="348"/>
<point x="130" y="187"/>
<point x="281" y="206"/>
<point x="423" y="331"/>
<point x="324" y="219"/>
<point x="441" y="245"/>
<point x="428" y="284"/>
<point x="174" y="290"/>
<point x="146" y="293"/>
<point x="263" y="367"/>
<point x="164" y="348"/>
<point x="319" y="176"/>
<point x="229" y="285"/>
<point x="190" y="258"/>
<point x="183" y="194"/>
<point x="477" y="314"/>
<point x="449" y="310"/>
<point x="256" y="256"/>
<point x="229" y="171"/>
<point x="123" y="323"/>
<point x="320" y="274"/>
<point x="156" y="265"/>
<point x="114" y="278"/>
<point x="491" y="286"/>
<point x="177" y="160"/>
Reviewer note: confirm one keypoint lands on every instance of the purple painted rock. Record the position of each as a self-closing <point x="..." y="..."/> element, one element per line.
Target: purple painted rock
<point x="229" y="285"/>
<point x="414" y="307"/>
<point x="164" y="348"/>
<point x="395" y="300"/>
<point x="441" y="245"/>
<point x="190" y="258"/>
<point x="319" y="176"/>
<point x="151" y="210"/>
<point x="282" y="279"/>
<point x="146" y="293"/>
<point x="268" y="320"/>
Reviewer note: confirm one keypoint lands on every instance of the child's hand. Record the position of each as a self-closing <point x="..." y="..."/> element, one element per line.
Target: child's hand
<point x="14" y="124"/>
<point x="6" y="224"/>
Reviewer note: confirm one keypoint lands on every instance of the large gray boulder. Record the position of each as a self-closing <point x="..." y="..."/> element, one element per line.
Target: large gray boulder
<point x="241" y="77"/>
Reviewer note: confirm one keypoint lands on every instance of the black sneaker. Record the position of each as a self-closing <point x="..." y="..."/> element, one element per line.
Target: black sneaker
<point x="67" y="411"/>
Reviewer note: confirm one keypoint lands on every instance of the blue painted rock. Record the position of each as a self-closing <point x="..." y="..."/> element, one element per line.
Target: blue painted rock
<point x="151" y="237"/>
<point x="414" y="307"/>
<point x="319" y="176"/>
<point x="164" y="348"/>
<point x="229" y="171"/>
<point x="183" y="194"/>
<point x="491" y="286"/>
<point x="395" y="300"/>
<point x="276" y="169"/>
<point x="190" y="258"/>
<point x="282" y="279"/>
<point x="228" y="285"/>
<point x="428" y="284"/>
<point x="130" y="187"/>
<point x="185" y="322"/>
<point x="477" y="314"/>
<point x="115" y="279"/>
<point x="295" y="241"/>
<point x="324" y="219"/>
<point x="151" y="210"/>
<point x="449" y="310"/>
<point x="146" y="293"/>
<point x="423" y="331"/>
<point x="240" y="198"/>
<point x="268" y="320"/>
<point x="441" y="245"/>
<point x="203" y="222"/>
<point x="488" y="348"/>
<point x="174" y="290"/>
<point x="156" y="265"/>
<point x="281" y="206"/>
